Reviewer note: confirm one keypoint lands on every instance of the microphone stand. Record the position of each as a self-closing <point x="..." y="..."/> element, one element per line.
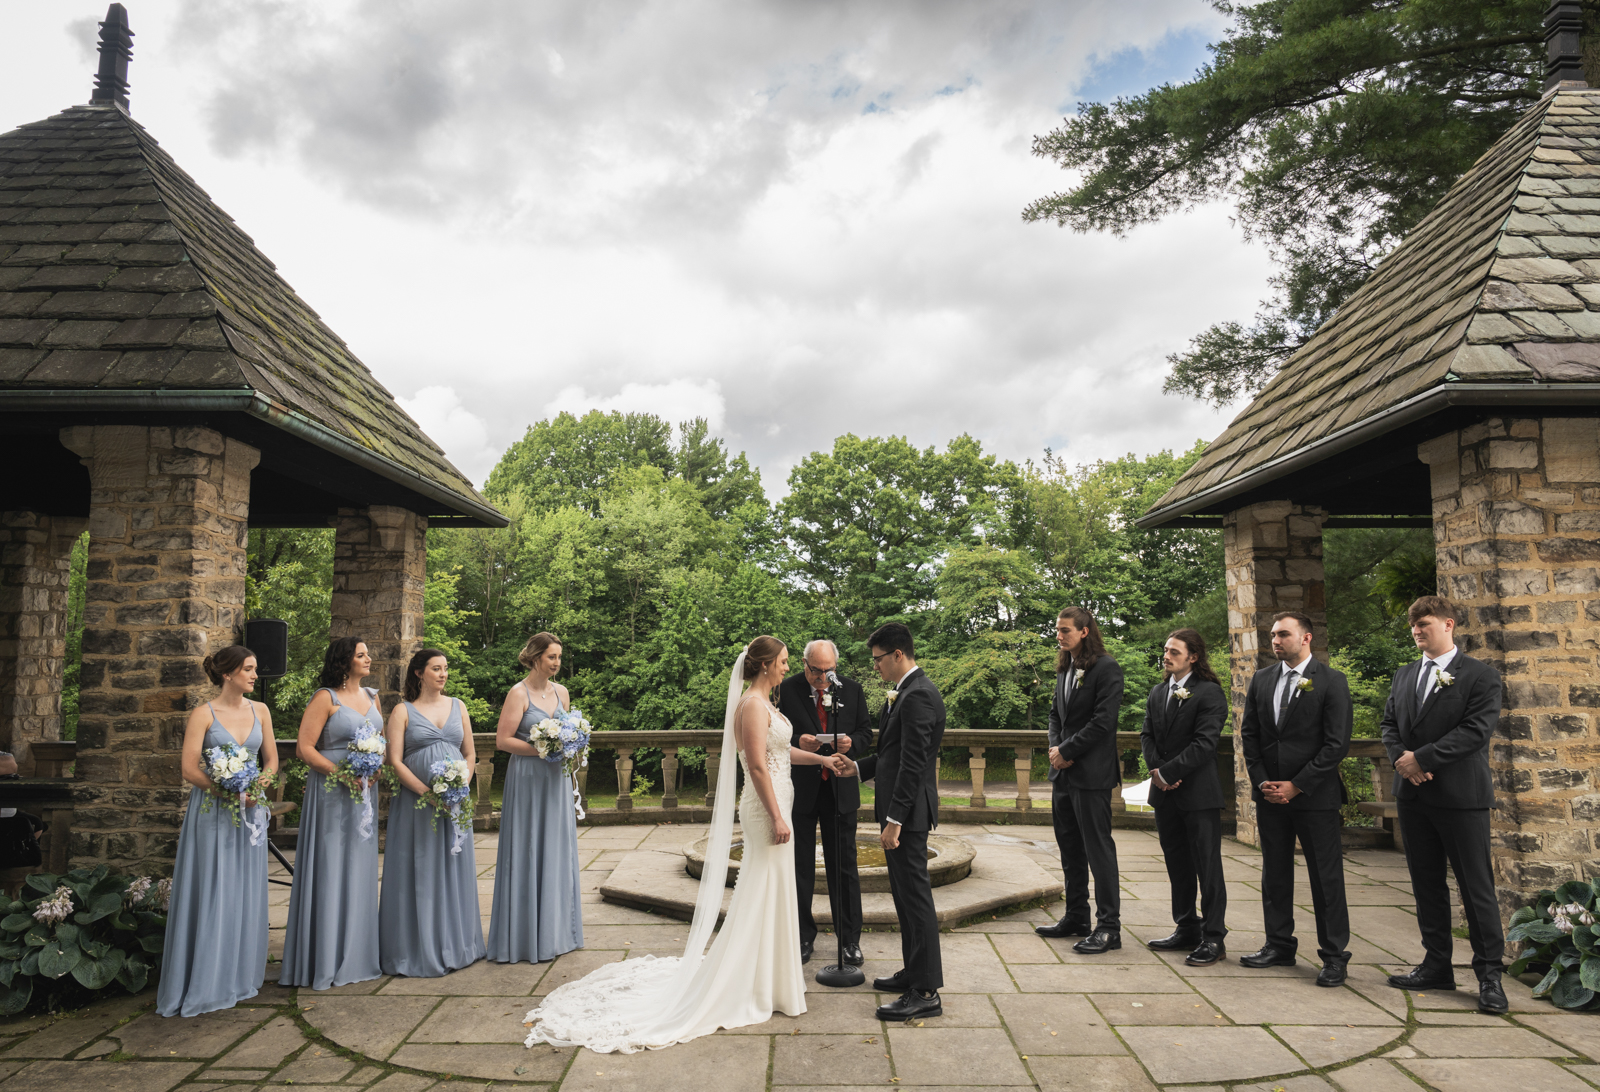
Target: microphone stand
<point x="839" y="974"/>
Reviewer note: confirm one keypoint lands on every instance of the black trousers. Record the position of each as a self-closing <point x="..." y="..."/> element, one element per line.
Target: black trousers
<point x="844" y="879"/>
<point x="1191" y="842"/>
<point x="1082" y="820"/>
<point x="913" y="906"/>
<point x="1458" y="837"/>
<point x="1319" y="833"/>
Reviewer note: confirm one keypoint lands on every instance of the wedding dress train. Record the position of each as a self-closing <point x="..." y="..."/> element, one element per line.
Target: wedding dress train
<point x="751" y="971"/>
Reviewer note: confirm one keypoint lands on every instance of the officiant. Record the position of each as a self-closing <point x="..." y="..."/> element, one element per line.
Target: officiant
<point x="820" y="702"/>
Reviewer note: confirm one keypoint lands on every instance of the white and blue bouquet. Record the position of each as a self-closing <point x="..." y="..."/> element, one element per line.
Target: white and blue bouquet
<point x="241" y="786"/>
<point x="449" y="792"/>
<point x="565" y="739"/>
<point x="360" y="771"/>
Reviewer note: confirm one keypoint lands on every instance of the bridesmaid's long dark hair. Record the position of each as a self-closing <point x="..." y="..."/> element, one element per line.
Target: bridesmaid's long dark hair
<point x="414" y="669"/>
<point x="336" y="661"/>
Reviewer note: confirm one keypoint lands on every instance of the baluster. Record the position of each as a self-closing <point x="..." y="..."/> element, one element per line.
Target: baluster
<point x="582" y="776"/>
<point x="624" y="778"/>
<point x="1117" y="803"/>
<point x="713" y="765"/>
<point x="976" y="763"/>
<point x="1024" y="765"/>
<point x="669" y="777"/>
<point x="482" y="782"/>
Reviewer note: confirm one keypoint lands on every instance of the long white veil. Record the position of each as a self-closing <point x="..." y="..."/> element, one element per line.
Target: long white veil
<point x="719" y="843"/>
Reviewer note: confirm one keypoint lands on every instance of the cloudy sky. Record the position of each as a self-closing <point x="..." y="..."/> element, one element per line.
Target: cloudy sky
<point x="794" y="218"/>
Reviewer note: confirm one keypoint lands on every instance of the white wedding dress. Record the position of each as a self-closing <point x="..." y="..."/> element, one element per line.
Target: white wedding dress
<point x="751" y="971"/>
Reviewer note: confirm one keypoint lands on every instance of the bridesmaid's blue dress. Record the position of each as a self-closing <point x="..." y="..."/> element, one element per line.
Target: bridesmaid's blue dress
<point x="537" y="914"/>
<point x="429" y="923"/>
<point x="332" y="938"/>
<point x="216" y="948"/>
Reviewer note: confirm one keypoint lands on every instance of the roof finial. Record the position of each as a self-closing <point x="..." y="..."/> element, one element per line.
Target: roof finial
<point x="116" y="46"/>
<point x="1563" y="31"/>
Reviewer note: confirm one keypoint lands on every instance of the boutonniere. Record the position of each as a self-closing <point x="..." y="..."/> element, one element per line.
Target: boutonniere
<point x="1182" y="694"/>
<point x="893" y="694"/>
<point x="1304" y="686"/>
<point x="1443" y="678"/>
<point x="827" y="699"/>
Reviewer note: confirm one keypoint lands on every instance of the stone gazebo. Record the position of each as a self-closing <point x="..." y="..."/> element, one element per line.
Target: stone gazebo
<point x="1459" y="388"/>
<point x="163" y="387"/>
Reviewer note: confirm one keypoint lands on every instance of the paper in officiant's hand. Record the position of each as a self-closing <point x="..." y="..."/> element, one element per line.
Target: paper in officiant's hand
<point x="826" y="737"/>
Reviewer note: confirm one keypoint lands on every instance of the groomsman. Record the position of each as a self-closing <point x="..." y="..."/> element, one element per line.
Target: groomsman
<point x="1182" y="724"/>
<point x="1084" y="768"/>
<point x="1436" y="727"/>
<point x="1295" y="730"/>
<point x="818" y="701"/>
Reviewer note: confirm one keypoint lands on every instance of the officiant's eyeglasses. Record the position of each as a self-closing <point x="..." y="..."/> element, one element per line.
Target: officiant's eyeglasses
<point x="816" y="670"/>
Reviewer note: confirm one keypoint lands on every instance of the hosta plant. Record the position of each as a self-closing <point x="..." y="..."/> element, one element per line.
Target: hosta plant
<point x="78" y="934"/>
<point x="1561" y="934"/>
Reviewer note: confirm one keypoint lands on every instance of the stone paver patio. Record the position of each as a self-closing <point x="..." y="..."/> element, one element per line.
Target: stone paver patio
<point x="1020" y="1012"/>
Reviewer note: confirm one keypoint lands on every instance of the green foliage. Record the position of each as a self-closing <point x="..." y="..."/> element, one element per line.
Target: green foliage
<point x="1332" y="127"/>
<point x="72" y="661"/>
<point x="289" y="575"/>
<point x="1560" y="932"/>
<point x="443" y="623"/>
<point x="94" y="925"/>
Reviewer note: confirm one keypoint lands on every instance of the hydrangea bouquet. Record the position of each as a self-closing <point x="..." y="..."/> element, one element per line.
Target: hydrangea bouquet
<point x="450" y="793"/>
<point x="565" y="739"/>
<point x="236" y="773"/>
<point x="361" y="769"/>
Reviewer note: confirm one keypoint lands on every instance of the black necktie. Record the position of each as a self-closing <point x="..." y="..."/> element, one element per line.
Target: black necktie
<point x="1424" y="677"/>
<point x="1288" y="692"/>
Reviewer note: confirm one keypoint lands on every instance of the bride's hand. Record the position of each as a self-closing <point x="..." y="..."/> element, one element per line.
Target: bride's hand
<point x="780" y="833"/>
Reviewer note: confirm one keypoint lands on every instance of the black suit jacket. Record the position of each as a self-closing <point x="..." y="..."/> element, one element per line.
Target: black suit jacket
<point x="848" y="717"/>
<point x="1308" y="746"/>
<point x="1180" y="739"/>
<point x="1449" y="734"/>
<point x="906" y="766"/>
<point x="1084" y="727"/>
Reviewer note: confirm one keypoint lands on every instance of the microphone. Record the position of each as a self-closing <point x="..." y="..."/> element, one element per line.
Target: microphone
<point x="833" y="677"/>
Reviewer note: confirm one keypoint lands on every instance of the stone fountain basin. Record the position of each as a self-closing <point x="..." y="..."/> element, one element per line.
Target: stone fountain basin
<point x="949" y="860"/>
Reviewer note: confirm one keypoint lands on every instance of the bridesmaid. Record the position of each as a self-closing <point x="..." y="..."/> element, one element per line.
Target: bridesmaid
<point x="429" y="921"/>
<point x="536" y="913"/>
<point x="332" y="937"/>
<point x="216" y="947"/>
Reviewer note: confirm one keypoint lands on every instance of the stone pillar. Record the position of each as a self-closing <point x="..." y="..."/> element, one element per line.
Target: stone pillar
<point x="35" y="564"/>
<point x="380" y="567"/>
<point x="1273" y="559"/>
<point x="168" y="511"/>
<point x="1516" y="510"/>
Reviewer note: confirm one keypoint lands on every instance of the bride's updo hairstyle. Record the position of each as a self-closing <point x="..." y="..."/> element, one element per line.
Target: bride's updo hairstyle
<point x="225" y="662"/>
<point x="760" y="652"/>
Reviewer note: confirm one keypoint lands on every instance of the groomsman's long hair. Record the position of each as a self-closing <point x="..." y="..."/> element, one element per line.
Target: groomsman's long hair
<point x="1090" y="649"/>
<point x="1196" y="645"/>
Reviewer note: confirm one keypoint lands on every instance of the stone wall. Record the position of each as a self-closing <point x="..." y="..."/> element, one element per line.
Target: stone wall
<point x="1516" y="507"/>
<point x="35" y="562"/>
<point x="380" y="567"/>
<point x="1272" y="554"/>
<point x="167" y="527"/>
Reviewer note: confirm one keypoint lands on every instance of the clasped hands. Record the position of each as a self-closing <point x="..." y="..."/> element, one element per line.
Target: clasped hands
<point x="1407" y="766"/>
<point x="1279" y="792"/>
<point x="1057" y="761"/>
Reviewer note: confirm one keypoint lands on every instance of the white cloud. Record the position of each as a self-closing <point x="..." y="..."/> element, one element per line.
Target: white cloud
<point x="456" y="429"/>
<point x="677" y="401"/>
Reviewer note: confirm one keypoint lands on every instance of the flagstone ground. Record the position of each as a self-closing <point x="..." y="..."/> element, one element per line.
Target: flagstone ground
<point x="1020" y="1013"/>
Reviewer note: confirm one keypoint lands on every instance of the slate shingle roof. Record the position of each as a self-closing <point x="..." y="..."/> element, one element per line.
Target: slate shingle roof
<point x="1498" y="284"/>
<point x="117" y="272"/>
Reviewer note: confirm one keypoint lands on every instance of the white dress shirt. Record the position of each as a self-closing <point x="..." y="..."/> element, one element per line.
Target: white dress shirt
<point x="1283" y="678"/>
<point x="1441" y="663"/>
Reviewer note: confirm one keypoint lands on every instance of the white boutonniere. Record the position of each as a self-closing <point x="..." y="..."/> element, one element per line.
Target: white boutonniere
<point x="1443" y="678"/>
<point x="827" y="700"/>
<point x="1304" y="686"/>
<point x="893" y="694"/>
<point x="1182" y="693"/>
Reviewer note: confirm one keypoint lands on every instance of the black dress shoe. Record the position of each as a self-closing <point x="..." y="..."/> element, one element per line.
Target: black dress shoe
<point x="1424" y="978"/>
<point x="805" y="950"/>
<point x="1209" y="952"/>
<point x="1065" y="928"/>
<point x="1177" y="942"/>
<point x="853" y="956"/>
<point x="912" y="1005"/>
<point x="895" y="983"/>
<point x="1268" y="957"/>
<point x="1099" y="941"/>
<point x="1491" y="997"/>
<point x="1333" y="973"/>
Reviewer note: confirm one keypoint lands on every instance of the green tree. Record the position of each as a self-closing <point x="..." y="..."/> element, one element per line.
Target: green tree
<point x="72" y="659"/>
<point x="569" y="460"/>
<point x="1333" y="126"/>
<point x="444" y="624"/>
<point x="289" y="575"/>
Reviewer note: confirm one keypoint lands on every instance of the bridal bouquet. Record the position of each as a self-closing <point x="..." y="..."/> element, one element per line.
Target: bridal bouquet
<point x="449" y="792"/>
<point x="565" y="739"/>
<point x="361" y="769"/>
<point x="236" y="772"/>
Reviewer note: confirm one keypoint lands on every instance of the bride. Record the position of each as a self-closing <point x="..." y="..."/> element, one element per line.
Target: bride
<point x="753" y="967"/>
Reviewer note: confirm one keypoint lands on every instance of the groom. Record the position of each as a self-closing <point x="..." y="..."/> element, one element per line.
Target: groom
<point x="906" y="805"/>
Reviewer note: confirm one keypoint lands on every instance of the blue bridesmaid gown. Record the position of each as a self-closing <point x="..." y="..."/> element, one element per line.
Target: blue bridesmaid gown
<point x="332" y="938"/>
<point x="215" y="953"/>
<point x="537" y="914"/>
<point x="429" y="923"/>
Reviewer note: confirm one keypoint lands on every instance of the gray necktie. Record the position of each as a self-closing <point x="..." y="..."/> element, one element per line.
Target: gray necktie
<point x="1425" y="677"/>
<point x="1288" y="692"/>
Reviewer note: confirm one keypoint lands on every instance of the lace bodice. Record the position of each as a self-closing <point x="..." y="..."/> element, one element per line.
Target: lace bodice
<point x="753" y="815"/>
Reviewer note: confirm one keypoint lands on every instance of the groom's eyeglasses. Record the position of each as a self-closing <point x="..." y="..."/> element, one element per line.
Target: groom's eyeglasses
<point x="881" y="655"/>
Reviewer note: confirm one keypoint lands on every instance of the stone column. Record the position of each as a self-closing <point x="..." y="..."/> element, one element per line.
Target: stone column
<point x="1516" y="510"/>
<point x="1273" y="559"/>
<point x="168" y="511"/>
<point x="35" y="564"/>
<point x="380" y="567"/>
